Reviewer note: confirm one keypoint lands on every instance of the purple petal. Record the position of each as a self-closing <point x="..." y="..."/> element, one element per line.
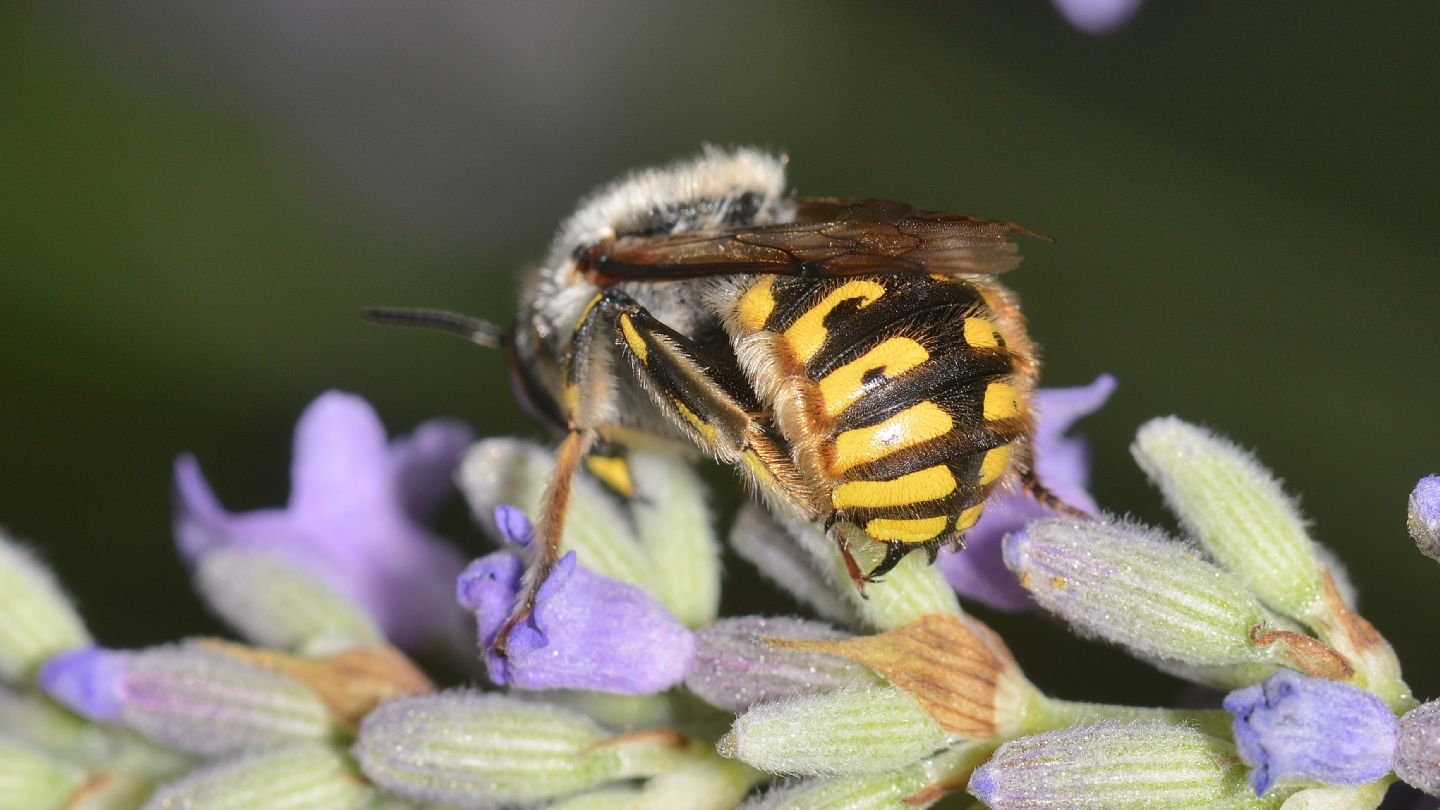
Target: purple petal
<point x="1063" y="464"/>
<point x="347" y="522"/>
<point x="488" y="588"/>
<point x="423" y="464"/>
<point x="978" y="571"/>
<point x="515" y="528"/>
<point x="341" y="462"/>
<point x="89" y="681"/>
<point x="1296" y="726"/>
<point x="199" y="518"/>
<point x="587" y="631"/>
<point x="1097" y="17"/>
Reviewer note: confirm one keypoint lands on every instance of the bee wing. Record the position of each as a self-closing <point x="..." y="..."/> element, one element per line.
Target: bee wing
<point x="827" y="238"/>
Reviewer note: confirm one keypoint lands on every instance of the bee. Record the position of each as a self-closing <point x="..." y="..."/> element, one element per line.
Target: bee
<point x="858" y="361"/>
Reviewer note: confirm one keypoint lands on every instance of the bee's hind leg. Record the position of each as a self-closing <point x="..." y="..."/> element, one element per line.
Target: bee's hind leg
<point x="1031" y="483"/>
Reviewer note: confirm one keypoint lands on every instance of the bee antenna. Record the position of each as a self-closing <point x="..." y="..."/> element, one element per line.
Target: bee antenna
<point x="474" y="330"/>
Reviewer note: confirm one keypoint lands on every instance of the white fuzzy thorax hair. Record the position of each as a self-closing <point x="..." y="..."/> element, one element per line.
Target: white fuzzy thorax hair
<point x="630" y="204"/>
<point x="698" y="193"/>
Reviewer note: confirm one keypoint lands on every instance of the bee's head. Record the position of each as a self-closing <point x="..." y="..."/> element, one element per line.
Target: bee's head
<point x="718" y="188"/>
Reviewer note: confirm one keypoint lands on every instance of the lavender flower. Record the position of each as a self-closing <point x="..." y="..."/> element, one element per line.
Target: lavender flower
<point x="36" y="618"/>
<point x="1138" y="588"/>
<point x="735" y="668"/>
<point x="1425" y="516"/>
<point x="1417" y="749"/>
<point x="1063" y="463"/>
<point x="297" y="777"/>
<point x="354" y="518"/>
<point x="485" y="750"/>
<point x="188" y="698"/>
<point x="1295" y="726"/>
<point x="586" y="632"/>
<point x="1097" y="17"/>
<point x="1111" y="765"/>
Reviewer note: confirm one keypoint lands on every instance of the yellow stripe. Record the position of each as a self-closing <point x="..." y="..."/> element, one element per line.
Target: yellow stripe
<point x="808" y="332"/>
<point x="760" y="470"/>
<point x="757" y="304"/>
<point x="994" y="464"/>
<point x="705" y="430"/>
<point x="917" y="487"/>
<point x="633" y="338"/>
<point x="968" y="518"/>
<point x="917" y="423"/>
<point x="980" y="333"/>
<point x="892" y="358"/>
<point x="614" y="472"/>
<point x="916" y="530"/>
<point x="1002" y="401"/>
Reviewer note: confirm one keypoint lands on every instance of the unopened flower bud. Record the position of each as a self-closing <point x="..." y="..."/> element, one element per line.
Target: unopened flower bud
<point x="1236" y="508"/>
<point x="608" y="798"/>
<point x="955" y="667"/>
<point x="297" y="777"/>
<point x="915" y="786"/>
<point x="852" y="730"/>
<point x="1296" y="726"/>
<point x="674" y="527"/>
<point x="734" y="667"/>
<point x="472" y="749"/>
<point x="272" y="601"/>
<point x="1158" y="766"/>
<point x="1424" y="519"/>
<point x="760" y="540"/>
<point x="1417" y="751"/>
<point x="36" y="618"/>
<point x="500" y="471"/>
<point x="189" y="698"/>
<point x="32" y="780"/>
<point x="1154" y="595"/>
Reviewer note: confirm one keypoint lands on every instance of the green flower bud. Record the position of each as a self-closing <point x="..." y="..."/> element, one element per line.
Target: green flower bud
<point x="761" y="541"/>
<point x="302" y="777"/>
<point x="468" y="748"/>
<point x="1361" y="797"/>
<point x="1236" y="508"/>
<point x="612" y="798"/>
<point x="510" y="471"/>
<point x="1155" y="596"/>
<point x="914" y="588"/>
<point x="709" y="784"/>
<point x="677" y="534"/>
<point x="1156" y="766"/>
<point x="851" y="730"/>
<point x="190" y="698"/>
<point x="36" y="618"/>
<point x="917" y="786"/>
<point x="272" y="602"/>
<point x="30" y="780"/>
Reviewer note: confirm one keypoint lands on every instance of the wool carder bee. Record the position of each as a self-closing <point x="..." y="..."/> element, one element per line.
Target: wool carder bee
<point x="858" y="361"/>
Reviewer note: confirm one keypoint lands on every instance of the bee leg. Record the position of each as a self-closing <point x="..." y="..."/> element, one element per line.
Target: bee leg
<point x="1037" y="489"/>
<point x="545" y="550"/>
<point x="711" y="401"/>
<point x="894" y="553"/>
<point x="857" y="576"/>
<point x="589" y="400"/>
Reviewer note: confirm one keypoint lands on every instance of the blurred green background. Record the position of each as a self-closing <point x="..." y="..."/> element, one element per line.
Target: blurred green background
<point x="196" y="199"/>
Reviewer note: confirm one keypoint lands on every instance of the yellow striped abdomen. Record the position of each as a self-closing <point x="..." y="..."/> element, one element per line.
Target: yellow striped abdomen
<point x="902" y="399"/>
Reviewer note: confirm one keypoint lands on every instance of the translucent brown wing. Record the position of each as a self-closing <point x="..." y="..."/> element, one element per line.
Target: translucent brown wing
<point x="827" y="238"/>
